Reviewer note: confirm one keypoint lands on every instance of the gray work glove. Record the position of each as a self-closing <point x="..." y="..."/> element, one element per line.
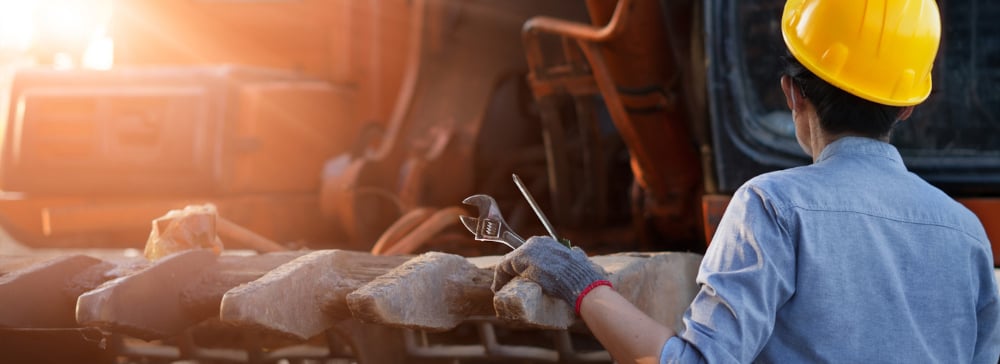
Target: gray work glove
<point x="560" y="271"/>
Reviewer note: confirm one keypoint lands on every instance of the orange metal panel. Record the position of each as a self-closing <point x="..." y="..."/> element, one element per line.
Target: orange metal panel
<point x="635" y="74"/>
<point x="988" y="210"/>
<point x="294" y="35"/>
<point x="284" y="133"/>
<point x="351" y="42"/>
<point x="171" y="130"/>
<point x="712" y="208"/>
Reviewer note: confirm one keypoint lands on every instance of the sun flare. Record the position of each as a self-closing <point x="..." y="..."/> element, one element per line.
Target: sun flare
<point x="63" y="33"/>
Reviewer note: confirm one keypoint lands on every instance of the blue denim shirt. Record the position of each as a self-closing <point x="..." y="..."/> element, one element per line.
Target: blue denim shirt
<point x="852" y="259"/>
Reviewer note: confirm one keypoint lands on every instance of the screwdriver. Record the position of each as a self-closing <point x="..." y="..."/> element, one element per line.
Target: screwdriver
<point x="538" y="210"/>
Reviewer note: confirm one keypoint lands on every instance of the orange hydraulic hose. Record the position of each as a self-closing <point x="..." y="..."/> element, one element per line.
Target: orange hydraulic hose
<point x="400" y="229"/>
<point x="409" y="85"/>
<point x="421" y="234"/>
<point x="231" y="232"/>
<point x="581" y="31"/>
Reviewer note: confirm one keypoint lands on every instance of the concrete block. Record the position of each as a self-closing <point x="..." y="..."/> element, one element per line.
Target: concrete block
<point x="660" y="284"/>
<point x="522" y="303"/>
<point x="146" y="304"/>
<point x="434" y="292"/>
<point x="203" y="297"/>
<point x="39" y="295"/>
<point x="307" y="295"/>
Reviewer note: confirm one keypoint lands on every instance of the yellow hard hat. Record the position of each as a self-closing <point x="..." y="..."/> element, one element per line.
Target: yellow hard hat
<point x="879" y="50"/>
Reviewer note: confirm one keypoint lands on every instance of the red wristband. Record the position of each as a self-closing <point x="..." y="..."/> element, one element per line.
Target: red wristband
<point x="579" y="299"/>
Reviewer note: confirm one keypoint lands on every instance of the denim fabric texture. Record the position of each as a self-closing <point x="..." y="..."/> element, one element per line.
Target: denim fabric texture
<point x="851" y="259"/>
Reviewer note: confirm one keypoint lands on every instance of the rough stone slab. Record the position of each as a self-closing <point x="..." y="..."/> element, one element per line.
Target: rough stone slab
<point x="522" y="303"/>
<point x="304" y="297"/>
<point x="660" y="284"/>
<point x="146" y="304"/>
<point x="434" y="292"/>
<point x="97" y="274"/>
<point x="203" y="297"/>
<point x="36" y="295"/>
<point x="180" y="230"/>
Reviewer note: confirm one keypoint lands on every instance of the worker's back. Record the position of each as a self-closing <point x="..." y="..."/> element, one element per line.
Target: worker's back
<point x="881" y="266"/>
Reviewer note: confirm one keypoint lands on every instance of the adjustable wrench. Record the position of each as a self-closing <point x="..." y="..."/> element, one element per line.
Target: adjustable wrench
<point x="490" y="225"/>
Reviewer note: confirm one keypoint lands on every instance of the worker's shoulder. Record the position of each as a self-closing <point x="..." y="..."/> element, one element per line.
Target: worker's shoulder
<point x="781" y="189"/>
<point x="900" y="196"/>
<point x="784" y="184"/>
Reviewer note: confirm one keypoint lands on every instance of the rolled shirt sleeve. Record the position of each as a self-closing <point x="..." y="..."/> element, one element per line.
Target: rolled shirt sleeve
<point x="747" y="274"/>
<point x="988" y="315"/>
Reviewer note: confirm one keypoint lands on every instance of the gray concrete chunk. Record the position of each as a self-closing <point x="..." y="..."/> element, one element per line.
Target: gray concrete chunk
<point x="146" y="304"/>
<point x="433" y="292"/>
<point x="39" y="295"/>
<point x="660" y="284"/>
<point x="305" y="296"/>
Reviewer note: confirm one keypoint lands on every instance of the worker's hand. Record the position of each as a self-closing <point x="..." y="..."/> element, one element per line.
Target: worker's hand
<point x="560" y="271"/>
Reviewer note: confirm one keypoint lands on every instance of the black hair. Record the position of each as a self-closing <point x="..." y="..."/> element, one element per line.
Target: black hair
<point x="840" y="111"/>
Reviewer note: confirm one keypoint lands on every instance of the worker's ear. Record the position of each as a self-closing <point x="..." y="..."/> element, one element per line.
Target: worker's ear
<point x="905" y="113"/>
<point x="791" y="93"/>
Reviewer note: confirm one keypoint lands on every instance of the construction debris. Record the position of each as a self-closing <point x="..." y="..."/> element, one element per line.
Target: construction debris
<point x="306" y="296"/>
<point x="203" y="297"/>
<point x="660" y="284"/>
<point x="146" y="304"/>
<point x="180" y="230"/>
<point x="433" y="292"/>
<point x="201" y="227"/>
<point x="302" y="295"/>
<point x="35" y="296"/>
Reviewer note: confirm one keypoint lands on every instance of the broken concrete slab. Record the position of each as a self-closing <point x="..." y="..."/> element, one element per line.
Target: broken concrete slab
<point x="107" y="270"/>
<point x="522" y="303"/>
<point x="179" y="230"/>
<point x="306" y="296"/>
<point x="203" y="297"/>
<point x="660" y="284"/>
<point x="433" y="292"/>
<point x="146" y="304"/>
<point x="36" y="296"/>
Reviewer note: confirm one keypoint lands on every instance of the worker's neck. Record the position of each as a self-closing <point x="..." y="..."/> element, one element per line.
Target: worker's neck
<point x="821" y="139"/>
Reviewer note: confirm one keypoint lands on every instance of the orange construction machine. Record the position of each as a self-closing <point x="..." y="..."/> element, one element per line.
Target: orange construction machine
<point x="362" y="124"/>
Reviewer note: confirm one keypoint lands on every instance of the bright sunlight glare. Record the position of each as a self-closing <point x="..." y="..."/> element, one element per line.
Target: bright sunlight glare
<point x="16" y="25"/>
<point x="64" y="33"/>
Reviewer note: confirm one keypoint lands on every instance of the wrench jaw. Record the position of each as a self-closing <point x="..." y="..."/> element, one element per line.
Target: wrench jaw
<point x="472" y="224"/>
<point x="488" y="207"/>
<point x="483" y="229"/>
<point x="490" y="225"/>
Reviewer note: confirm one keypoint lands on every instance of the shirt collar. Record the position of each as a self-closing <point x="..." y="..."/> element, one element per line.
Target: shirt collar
<point x="860" y="146"/>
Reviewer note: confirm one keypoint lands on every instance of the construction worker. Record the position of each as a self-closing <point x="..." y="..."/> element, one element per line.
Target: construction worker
<point x="850" y="259"/>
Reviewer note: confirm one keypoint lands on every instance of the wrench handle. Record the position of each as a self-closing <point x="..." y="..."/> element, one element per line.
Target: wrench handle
<point x="513" y="240"/>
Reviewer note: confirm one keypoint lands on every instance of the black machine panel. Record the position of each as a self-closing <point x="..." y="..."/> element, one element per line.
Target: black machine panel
<point x="952" y="140"/>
